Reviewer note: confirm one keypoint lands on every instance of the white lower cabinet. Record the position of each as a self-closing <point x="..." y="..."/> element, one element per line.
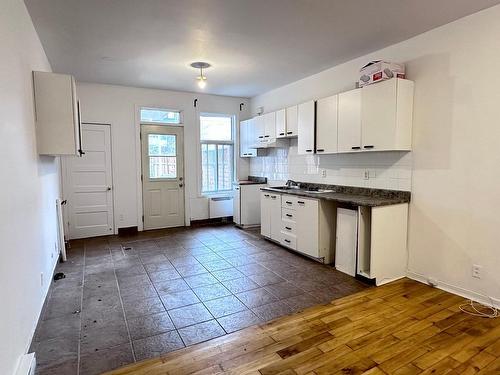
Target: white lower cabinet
<point x="301" y="224"/>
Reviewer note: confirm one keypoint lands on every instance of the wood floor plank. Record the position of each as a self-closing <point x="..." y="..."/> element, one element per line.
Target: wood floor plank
<point x="401" y="328"/>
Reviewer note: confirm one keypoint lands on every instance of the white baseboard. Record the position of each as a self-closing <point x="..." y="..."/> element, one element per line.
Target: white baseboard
<point x="27" y="365"/>
<point x="469" y="294"/>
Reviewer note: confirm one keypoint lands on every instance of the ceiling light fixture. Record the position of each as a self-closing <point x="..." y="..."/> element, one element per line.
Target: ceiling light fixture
<point x="201" y="79"/>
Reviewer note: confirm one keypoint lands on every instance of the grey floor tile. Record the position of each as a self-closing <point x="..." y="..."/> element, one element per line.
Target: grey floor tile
<point x="67" y="326"/>
<point x="252" y="269"/>
<point x="272" y="310"/>
<point x="284" y="290"/>
<point x="240" y="285"/>
<point x="164" y="275"/>
<point x="171" y="286"/>
<point x="240" y="320"/>
<point x="266" y="278"/>
<point x="155" y="346"/>
<point x="200" y="280"/>
<point x="97" y="318"/>
<point x="206" y="293"/>
<point x="143" y="307"/>
<point x="101" y="302"/>
<point x="103" y="337"/>
<point x="56" y="352"/>
<point x="256" y="297"/>
<point x="301" y="302"/>
<point x="133" y="294"/>
<point x="190" y="269"/>
<point x="99" y="361"/>
<point x="179" y="299"/>
<point x="158" y="266"/>
<point x="227" y="274"/>
<point x="60" y="306"/>
<point x="189" y="315"/>
<point x="69" y="367"/>
<point x="149" y="325"/>
<point x="201" y="332"/>
<point x="224" y="306"/>
<point x="134" y="281"/>
<point x="217" y="265"/>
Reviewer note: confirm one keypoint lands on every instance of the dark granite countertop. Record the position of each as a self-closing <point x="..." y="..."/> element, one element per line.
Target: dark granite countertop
<point x="356" y="196"/>
<point x="252" y="180"/>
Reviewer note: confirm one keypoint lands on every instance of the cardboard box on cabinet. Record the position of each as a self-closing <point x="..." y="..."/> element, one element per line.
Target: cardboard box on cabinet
<point x="379" y="70"/>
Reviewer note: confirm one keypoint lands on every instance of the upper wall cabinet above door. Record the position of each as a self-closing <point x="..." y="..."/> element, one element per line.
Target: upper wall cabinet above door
<point x="326" y="125"/>
<point x="247" y="139"/>
<point x="306" y="123"/>
<point x="281" y="123"/>
<point x="386" y="115"/>
<point x="292" y="126"/>
<point x="269" y="126"/>
<point x="349" y="121"/>
<point x="57" y="114"/>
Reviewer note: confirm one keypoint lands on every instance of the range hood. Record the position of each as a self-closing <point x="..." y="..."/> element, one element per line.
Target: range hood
<point x="271" y="143"/>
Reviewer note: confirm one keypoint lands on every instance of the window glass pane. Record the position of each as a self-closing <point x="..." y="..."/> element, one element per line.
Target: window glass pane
<point x="160" y="116"/>
<point x="216" y="128"/>
<point x="209" y="169"/>
<point x="161" y="145"/>
<point x="225" y="170"/>
<point x="162" y="167"/>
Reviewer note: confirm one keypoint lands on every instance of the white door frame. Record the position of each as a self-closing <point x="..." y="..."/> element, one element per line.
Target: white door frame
<point x="65" y="189"/>
<point x="138" y="162"/>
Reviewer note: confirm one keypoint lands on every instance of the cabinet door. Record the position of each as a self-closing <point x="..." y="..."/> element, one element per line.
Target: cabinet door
<point x="250" y="138"/>
<point x="308" y="226"/>
<point x="281" y="123"/>
<point x="275" y="215"/>
<point x="260" y="130"/>
<point x="349" y="121"/>
<point x="378" y="116"/>
<point x="244" y="139"/>
<point x="292" y="121"/>
<point x="326" y="125"/>
<point x="306" y="120"/>
<point x="236" y="205"/>
<point x="265" y="214"/>
<point x="270" y="126"/>
<point x="347" y="240"/>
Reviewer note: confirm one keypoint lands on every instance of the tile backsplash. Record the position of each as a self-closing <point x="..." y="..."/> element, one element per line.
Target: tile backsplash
<point x="385" y="170"/>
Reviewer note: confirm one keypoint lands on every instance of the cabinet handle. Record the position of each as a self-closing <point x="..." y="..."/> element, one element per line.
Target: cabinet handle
<point x="273" y="196"/>
<point x="308" y="150"/>
<point x="287" y="241"/>
<point x="288" y="228"/>
<point x="261" y="136"/>
<point x="355" y="148"/>
<point x="282" y="133"/>
<point x="266" y="136"/>
<point x="289" y="132"/>
<point x="301" y="202"/>
<point x="288" y="202"/>
<point x="320" y="150"/>
<point x="266" y="195"/>
<point x="288" y="215"/>
<point x="369" y="146"/>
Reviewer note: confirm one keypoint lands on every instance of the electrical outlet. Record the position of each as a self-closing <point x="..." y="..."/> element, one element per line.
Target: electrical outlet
<point x="41" y="278"/>
<point x="323" y="173"/>
<point x="367" y="175"/>
<point x="476" y="271"/>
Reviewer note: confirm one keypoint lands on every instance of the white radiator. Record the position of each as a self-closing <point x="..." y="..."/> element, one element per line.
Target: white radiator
<point x="220" y="207"/>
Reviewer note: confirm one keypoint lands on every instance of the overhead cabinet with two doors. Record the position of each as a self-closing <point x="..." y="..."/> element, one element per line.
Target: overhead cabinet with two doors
<point x="377" y="117"/>
<point x="57" y="114"/>
<point x="268" y="130"/>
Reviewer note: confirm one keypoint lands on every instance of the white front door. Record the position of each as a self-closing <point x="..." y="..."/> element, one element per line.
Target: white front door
<point x="87" y="185"/>
<point x="162" y="176"/>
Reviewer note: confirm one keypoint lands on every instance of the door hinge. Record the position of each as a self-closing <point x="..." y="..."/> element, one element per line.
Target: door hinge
<point x="140" y="136"/>
<point x="141" y="178"/>
<point x="143" y="218"/>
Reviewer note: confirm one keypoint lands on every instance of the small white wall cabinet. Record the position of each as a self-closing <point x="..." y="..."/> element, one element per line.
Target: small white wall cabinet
<point x="269" y="126"/>
<point x="281" y="123"/>
<point x="326" y="125"/>
<point x="259" y="130"/>
<point x="382" y="251"/>
<point x="349" y="121"/>
<point x="306" y="124"/>
<point x="270" y="215"/>
<point x="247" y="139"/>
<point x="301" y="224"/>
<point x="57" y="114"/>
<point x="386" y="115"/>
<point x="292" y="125"/>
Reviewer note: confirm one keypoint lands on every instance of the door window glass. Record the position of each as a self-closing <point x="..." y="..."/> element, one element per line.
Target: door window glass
<point x="162" y="153"/>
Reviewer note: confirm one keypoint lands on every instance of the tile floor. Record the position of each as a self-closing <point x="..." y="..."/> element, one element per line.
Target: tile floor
<point x="125" y="299"/>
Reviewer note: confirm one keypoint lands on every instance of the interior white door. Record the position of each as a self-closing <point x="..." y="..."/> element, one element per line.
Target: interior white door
<point x="87" y="185"/>
<point x="162" y="176"/>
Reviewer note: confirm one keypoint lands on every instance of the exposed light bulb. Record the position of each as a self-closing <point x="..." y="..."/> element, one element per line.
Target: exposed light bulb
<point x="202" y="81"/>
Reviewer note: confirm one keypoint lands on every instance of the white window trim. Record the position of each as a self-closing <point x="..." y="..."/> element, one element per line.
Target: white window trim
<point x="181" y="116"/>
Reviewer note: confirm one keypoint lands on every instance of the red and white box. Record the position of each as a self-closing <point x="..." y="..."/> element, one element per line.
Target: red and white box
<point x="379" y="70"/>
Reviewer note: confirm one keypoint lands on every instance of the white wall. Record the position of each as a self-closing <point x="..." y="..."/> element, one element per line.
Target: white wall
<point x="30" y="185"/>
<point x="118" y="106"/>
<point x="455" y="200"/>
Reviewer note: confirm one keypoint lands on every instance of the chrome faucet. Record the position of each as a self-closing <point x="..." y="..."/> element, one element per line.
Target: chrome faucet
<point x="292" y="184"/>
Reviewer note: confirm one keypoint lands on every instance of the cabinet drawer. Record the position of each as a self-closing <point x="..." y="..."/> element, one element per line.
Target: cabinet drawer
<point x="288" y="214"/>
<point x="288" y="240"/>
<point x="288" y="226"/>
<point x="287" y="201"/>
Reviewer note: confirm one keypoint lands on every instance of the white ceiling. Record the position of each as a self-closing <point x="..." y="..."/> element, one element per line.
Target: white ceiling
<point x="253" y="45"/>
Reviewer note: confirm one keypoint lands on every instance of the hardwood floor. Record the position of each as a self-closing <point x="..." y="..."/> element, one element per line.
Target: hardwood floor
<point x="401" y="328"/>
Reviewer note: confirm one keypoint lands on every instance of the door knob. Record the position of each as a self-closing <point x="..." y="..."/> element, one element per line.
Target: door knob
<point x="108" y="188"/>
<point x="181" y="185"/>
<point x="181" y="178"/>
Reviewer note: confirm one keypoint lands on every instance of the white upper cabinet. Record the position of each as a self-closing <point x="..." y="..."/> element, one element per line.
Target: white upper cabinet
<point x="326" y="125"/>
<point x="247" y="139"/>
<point x="269" y="126"/>
<point x="57" y="114"/>
<point x="386" y="115"/>
<point x="259" y="130"/>
<point x="306" y="119"/>
<point x="281" y="123"/>
<point x="292" y="121"/>
<point x="349" y="121"/>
